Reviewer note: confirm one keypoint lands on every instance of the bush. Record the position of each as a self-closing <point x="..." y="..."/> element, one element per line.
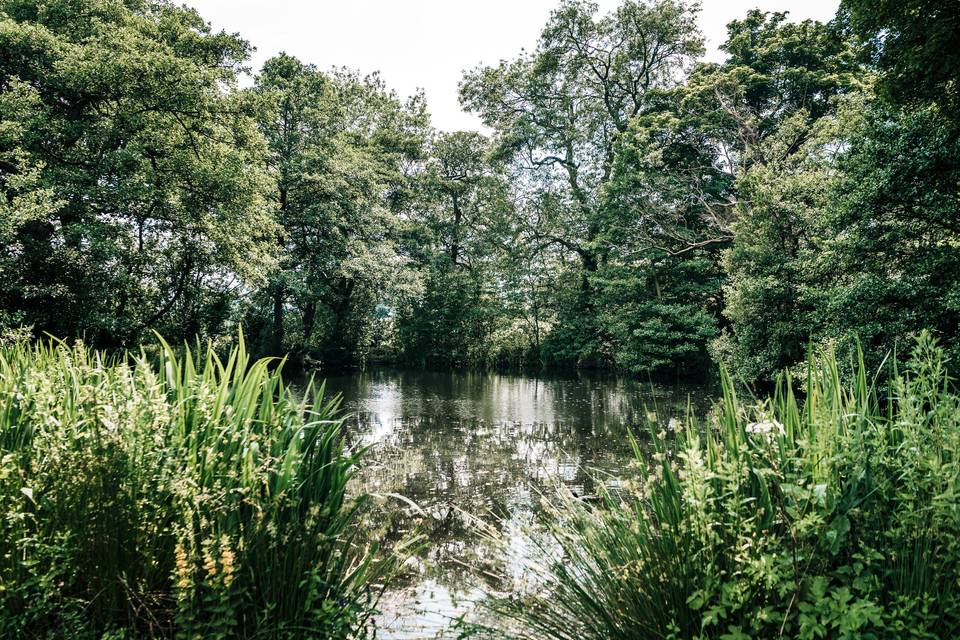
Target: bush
<point x="834" y="516"/>
<point x="176" y="495"/>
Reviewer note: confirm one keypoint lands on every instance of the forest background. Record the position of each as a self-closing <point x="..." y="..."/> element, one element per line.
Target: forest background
<point x="633" y="207"/>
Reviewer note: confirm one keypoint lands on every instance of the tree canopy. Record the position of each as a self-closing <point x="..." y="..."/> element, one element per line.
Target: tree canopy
<point x="140" y="198"/>
<point x="629" y="206"/>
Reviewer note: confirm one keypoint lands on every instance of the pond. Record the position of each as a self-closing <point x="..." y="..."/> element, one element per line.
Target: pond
<point x="487" y="446"/>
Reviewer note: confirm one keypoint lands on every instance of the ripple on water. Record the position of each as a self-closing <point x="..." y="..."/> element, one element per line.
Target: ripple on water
<point x="471" y="448"/>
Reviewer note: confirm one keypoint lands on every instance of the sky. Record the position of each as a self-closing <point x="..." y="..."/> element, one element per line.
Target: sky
<point x="428" y="44"/>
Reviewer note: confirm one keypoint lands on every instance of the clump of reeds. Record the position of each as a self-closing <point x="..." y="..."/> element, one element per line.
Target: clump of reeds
<point x="179" y="494"/>
<point x="831" y="515"/>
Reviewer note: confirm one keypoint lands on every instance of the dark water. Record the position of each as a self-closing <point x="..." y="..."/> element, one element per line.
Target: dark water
<point x="463" y="445"/>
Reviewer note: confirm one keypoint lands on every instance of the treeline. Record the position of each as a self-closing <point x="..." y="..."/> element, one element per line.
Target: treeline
<point x="633" y="207"/>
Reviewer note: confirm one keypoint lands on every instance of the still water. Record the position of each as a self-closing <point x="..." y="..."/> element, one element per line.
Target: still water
<point x="478" y="445"/>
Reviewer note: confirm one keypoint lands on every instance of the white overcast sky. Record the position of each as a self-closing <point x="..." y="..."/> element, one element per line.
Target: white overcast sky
<point x="429" y="43"/>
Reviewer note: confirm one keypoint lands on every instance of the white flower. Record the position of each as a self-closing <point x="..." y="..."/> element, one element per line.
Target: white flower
<point x="765" y="428"/>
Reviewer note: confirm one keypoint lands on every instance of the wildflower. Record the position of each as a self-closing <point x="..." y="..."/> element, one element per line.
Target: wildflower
<point x="183" y="568"/>
<point x="765" y="428"/>
<point x="209" y="563"/>
<point x="226" y="560"/>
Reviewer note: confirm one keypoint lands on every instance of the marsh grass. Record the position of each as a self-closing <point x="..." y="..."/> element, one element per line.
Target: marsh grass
<point x="176" y="494"/>
<point x="834" y="515"/>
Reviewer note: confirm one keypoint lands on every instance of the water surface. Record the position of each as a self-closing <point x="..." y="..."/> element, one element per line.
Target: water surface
<point x="463" y="445"/>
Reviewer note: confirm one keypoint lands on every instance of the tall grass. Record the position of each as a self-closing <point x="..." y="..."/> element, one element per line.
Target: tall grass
<point x="834" y="515"/>
<point x="175" y="495"/>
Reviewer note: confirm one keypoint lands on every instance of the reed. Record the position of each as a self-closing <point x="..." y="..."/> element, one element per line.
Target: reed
<point x="831" y="515"/>
<point x="176" y="494"/>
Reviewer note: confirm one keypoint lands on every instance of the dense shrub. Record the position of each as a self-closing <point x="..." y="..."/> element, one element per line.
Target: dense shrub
<point x="834" y="516"/>
<point x="188" y="496"/>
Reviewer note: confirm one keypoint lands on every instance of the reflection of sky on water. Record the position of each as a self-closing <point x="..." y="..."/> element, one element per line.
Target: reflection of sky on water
<point x="485" y="445"/>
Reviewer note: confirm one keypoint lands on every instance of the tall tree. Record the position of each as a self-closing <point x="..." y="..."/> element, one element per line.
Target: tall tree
<point x="462" y="219"/>
<point x="126" y="120"/>
<point x="338" y="144"/>
<point x="890" y="261"/>
<point x="558" y="113"/>
<point x="25" y="202"/>
<point x="665" y="224"/>
<point x="768" y="107"/>
<point x="889" y="267"/>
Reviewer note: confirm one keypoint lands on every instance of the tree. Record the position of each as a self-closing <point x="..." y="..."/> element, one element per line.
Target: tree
<point x="26" y="202"/>
<point x="460" y="183"/>
<point x="558" y="112"/>
<point x="890" y="264"/>
<point x="770" y="106"/>
<point x="124" y="118"/>
<point x="665" y="211"/>
<point x="771" y="263"/>
<point x="462" y="213"/>
<point x="338" y="147"/>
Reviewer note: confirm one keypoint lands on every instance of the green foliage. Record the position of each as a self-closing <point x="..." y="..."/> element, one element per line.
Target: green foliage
<point x="774" y="69"/>
<point x="664" y="319"/>
<point x="777" y="96"/>
<point x="183" y="496"/>
<point x="915" y="43"/>
<point x="829" y="517"/>
<point x="337" y="146"/>
<point x="131" y="171"/>
<point x="666" y="210"/>
<point x="890" y="262"/>
<point x="463" y="315"/>
<point x="449" y="323"/>
<point x="576" y="338"/>
<point x="633" y="208"/>
<point x="770" y="261"/>
<point x="558" y="113"/>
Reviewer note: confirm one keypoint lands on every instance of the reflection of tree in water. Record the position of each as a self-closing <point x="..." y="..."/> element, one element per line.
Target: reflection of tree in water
<point x="488" y="446"/>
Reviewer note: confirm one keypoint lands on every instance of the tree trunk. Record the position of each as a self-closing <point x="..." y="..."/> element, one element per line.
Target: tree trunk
<point x="309" y="320"/>
<point x="276" y="333"/>
<point x="455" y="234"/>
